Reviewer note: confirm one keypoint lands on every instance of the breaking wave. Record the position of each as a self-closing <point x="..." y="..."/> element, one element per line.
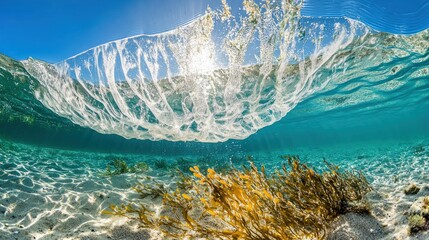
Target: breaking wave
<point x="216" y="78"/>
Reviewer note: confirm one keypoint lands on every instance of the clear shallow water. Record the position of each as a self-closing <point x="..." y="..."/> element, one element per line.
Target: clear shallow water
<point x="50" y="193"/>
<point x="328" y="88"/>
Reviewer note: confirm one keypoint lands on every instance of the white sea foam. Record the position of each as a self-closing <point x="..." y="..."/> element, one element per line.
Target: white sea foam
<point x="209" y="81"/>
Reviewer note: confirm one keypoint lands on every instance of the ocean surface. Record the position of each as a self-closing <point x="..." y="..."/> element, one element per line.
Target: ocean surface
<point x="210" y="93"/>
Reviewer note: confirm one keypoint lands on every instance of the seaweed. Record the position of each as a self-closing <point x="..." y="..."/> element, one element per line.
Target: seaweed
<point x="139" y="167"/>
<point x="411" y="189"/>
<point x="295" y="202"/>
<point x="118" y="166"/>
<point x="183" y="164"/>
<point x="146" y="190"/>
<point x="160" y="164"/>
<point x="416" y="223"/>
<point x="419" y="217"/>
<point x="185" y="182"/>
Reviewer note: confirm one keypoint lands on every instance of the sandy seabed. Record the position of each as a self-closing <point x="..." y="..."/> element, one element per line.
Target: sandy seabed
<point x="53" y="194"/>
<point x="56" y="194"/>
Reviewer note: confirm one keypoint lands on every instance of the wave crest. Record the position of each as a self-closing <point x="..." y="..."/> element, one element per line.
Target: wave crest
<point x="212" y="80"/>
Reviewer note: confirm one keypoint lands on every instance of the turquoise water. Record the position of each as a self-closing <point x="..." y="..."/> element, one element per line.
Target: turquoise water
<point x="210" y="94"/>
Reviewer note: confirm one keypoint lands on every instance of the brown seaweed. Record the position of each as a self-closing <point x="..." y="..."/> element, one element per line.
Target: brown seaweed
<point x="295" y="202"/>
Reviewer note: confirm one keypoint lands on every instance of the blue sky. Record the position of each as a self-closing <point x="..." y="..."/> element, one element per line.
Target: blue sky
<point x="53" y="30"/>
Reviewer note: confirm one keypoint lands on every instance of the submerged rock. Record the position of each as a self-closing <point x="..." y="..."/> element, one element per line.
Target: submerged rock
<point x="411" y="189"/>
<point x="420" y="207"/>
<point x="419" y="215"/>
<point x="416" y="223"/>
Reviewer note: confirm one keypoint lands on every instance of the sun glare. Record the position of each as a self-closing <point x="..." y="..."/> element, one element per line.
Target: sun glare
<point x="202" y="60"/>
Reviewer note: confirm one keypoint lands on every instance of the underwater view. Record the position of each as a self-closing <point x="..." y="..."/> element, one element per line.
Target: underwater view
<point x="214" y="119"/>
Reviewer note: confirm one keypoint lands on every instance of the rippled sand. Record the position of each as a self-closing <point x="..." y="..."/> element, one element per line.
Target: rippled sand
<point x="51" y="194"/>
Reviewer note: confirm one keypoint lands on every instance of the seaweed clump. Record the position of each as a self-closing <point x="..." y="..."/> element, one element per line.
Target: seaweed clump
<point x="419" y="217"/>
<point x="294" y="202"/>
<point x="146" y="190"/>
<point x="185" y="182"/>
<point x="118" y="166"/>
<point x="412" y="189"/>
<point x="161" y="164"/>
